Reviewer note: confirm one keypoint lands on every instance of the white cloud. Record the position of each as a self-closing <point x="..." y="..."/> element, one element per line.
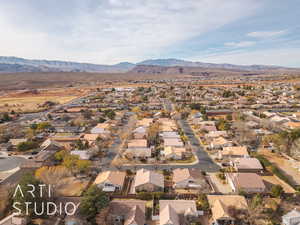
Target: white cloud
<point x="241" y="44"/>
<point x="267" y="34"/>
<point x="281" y="57"/>
<point x="110" y="31"/>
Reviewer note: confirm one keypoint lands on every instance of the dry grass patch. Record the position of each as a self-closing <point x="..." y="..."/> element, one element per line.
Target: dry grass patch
<point x="31" y="103"/>
<point x="62" y="180"/>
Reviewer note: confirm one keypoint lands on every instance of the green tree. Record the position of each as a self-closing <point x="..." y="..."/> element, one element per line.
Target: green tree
<point x="43" y="126"/>
<point x="276" y="190"/>
<point x="93" y="201"/>
<point x="59" y="156"/>
<point x="27" y="145"/>
<point x="83" y="165"/>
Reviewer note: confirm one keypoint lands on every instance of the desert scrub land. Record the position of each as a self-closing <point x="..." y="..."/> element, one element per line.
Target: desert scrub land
<point x="34" y="100"/>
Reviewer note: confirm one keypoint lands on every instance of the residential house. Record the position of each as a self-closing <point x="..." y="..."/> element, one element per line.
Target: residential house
<point x="82" y="154"/>
<point x="127" y="212"/>
<point x="169" y="134"/>
<point x="247" y="165"/>
<point x="234" y="152"/>
<point x="110" y="181"/>
<point x="177" y="212"/>
<point x="189" y="178"/>
<point x="173" y="142"/>
<point x="91" y="138"/>
<point x="221" y="206"/>
<point x="247" y="182"/>
<point x="145" y="122"/>
<point x="138" y="148"/>
<point x="291" y="218"/>
<point x="140" y="133"/>
<point x="220" y="142"/>
<point x="102" y="129"/>
<point x="175" y="153"/>
<point x="51" y="145"/>
<point x="215" y="134"/>
<point x="148" y="180"/>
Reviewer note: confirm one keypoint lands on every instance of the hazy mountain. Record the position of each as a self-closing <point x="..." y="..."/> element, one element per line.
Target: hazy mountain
<point x="14" y="64"/>
<point x="56" y="66"/>
<point x="183" y="63"/>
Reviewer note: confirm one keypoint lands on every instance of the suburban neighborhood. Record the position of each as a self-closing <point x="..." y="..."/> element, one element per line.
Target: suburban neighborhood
<point x="160" y="154"/>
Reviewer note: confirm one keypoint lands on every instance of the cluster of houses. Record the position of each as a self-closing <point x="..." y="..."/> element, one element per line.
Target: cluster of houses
<point x="240" y="170"/>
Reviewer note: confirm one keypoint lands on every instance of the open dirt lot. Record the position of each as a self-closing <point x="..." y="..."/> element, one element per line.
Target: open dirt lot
<point x="284" y="164"/>
<point x="30" y="101"/>
<point x="273" y="180"/>
<point x="72" y="187"/>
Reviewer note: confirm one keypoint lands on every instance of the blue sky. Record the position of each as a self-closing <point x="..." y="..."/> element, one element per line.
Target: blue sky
<point x="112" y="31"/>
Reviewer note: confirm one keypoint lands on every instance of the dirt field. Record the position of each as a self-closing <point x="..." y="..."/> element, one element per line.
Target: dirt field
<point x="72" y="187"/>
<point x="30" y="101"/>
<point x="273" y="180"/>
<point x="284" y="164"/>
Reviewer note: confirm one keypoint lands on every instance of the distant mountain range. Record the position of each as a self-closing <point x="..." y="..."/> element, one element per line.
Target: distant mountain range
<point x="15" y="65"/>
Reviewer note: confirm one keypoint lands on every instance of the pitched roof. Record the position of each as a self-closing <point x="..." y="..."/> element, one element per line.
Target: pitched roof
<point x="145" y="122"/>
<point x="173" y="142"/>
<point x="247" y="163"/>
<point x="91" y="137"/>
<point x="114" y="177"/>
<point x="132" y="210"/>
<point x="168" y="208"/>
<point x="220" y="205"/>
<point x="247" y="180"/>
<point x="235" y="150"/>
<point x="169" y="150"/>
<point x="148" y="176"/>
<point x="137" y="143"/>
<point x="168" y="216"/>
<point x="183" y="174"/>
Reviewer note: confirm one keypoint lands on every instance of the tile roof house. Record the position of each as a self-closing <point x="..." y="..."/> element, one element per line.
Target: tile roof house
<point x="145" y="122"/>
<point x="170" y="134"/>
<point x="220" y="142"/>
<point x="101" y="128"/>
<point x="189" y="178"/>
<point x="247" y="182"/>
<point x="127" y="212"/>
<point x="148" y="180"/>
<point x="234" y="152"/>
<point x="247" y="165"/>
<point x="110" y="181"/>
<point x="51" y="145"/>
<point x="215" y="134"/>
<point x="208" y="128"/>
<point x="142" y="153"/>
<point x="177" y="212"/>
<point x="138" y="143"/>
<point x="140" y="133"/>
<point x="173" y="152"/>
<point x="138" y="148"/>
<point x="221" y="204"/>
<point x="291" y="218"/>
<point x="174" y="142"/>
<point x="91" y="138"/>
<point x="82" y="154"/>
